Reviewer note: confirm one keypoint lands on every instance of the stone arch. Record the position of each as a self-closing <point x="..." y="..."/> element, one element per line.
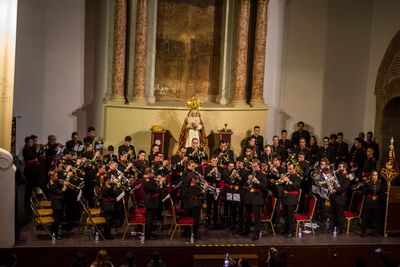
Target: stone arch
<point x="387" y="85"/>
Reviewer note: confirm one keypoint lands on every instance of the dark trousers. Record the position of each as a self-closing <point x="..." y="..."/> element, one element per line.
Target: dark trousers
<point x="256" y="210"/>
<point x="58" y="215"/>
<point x="109" y="216"/>
<point x="31" y="177"/>
<point x="231" y="210"/>
<point x="370" y="216"/>
<point x="195" y="214"/>
<point x="337" y="215"/>
<point x="150" y="214"/>
<point x="212" y="207"/>
<point x="289" y="218"/>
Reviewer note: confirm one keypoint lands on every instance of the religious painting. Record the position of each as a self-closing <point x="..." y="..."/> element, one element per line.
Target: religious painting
<point x="188" y="49"/>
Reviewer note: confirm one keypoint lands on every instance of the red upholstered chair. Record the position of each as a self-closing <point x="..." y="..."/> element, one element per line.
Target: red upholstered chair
<point x="167" y="213"/>
<point x="302" y="218"/>
<point x="268" y="213"/>
<point x="355" y="208"/>
<point x="133" y="219"/>
<point x="181" y="221"/>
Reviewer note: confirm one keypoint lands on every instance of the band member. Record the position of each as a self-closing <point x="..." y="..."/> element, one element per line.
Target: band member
<point x="256" y="184"/>
<point x="109" y="194"/>
<point x="141" y="164"/>
<point x="152" y="189"/>
<point x="178" y="165"/>
<point x="153" y="153"/>
<point x="314" y="148"/>
<point x="341" y="149"/>
<point x="326" y="151"/>
<point x="32" y="168"/>
<point x="300" y="133"/>
<point x="195" y="152"/>
<point x="225" y="155"/>
<point x="267" y="154"/>
<point x="338" y="199"/>
<point x="213" y="176"/>
<point x="244" y="174"/>
<point x="233" y="187"/>
<point x="195" y="197"/>
<point x="357" y="157"/>
<point x="304" y="149"/>
<point x="370" y="162"/>
<point x="278" y="150"/>
<point x="373" y="190"/>
<point x="75" y="144"/>
<point x="285" y="142"/>
<point x="274" y="175"/>
<point x="259" y="138"/>
<point x="110" y="156"/>
<point x="304" y="166"/>
<point x="161" y="166"/>
<point x="291" y="186"/>
<point x="128" y="148"/>
<point x="186" y="181"/>
<point x="251" y="144"/>
<point x="56" y="195"/>
<point x="91" y="134"/>
<point x="373" y="144"/>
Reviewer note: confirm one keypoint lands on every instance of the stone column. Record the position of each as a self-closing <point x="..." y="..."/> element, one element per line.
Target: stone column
<point x="240" y="72"/>
<point x="119" y="53"/>
<point x="139" y="75"/>
<point x="260" y="48"/>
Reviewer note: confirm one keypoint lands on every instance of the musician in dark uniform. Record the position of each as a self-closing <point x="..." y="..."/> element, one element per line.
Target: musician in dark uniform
<point x="195" y="197"/>
<point x="232" y="191"/>
<point x="141" y="163"/>
<point x="186" y="180"/>
<point x="225" y="155"/>
<point x="91" y="134"/>
<point x="127" y="147"/>
<point x="244" y="174"/>
<point x="195" y="152"/>
<point x="213" y="176"/>
<point x="74" y="143"/>
<point x="254" y="199"/>
<point x="357" y="157"/>
<point x="326" y="151"/>
<point x="373" y="144"/>
<point x="341" y="149"/>
<point x="278" y="150"/>
<point x="370" y="163"/>
<point x="300" y="133"/>
<point x="56" y="196"/>
<point x="32" y="168"/>
<point x="110" y="156"/>
<point x="291" y="186"/>
<point x="304" y="149"/>
<point x="285" y="142"/>
<point x="153" y="154"/>
<point x="258" y="138"/>
<point x="373" y="190"/>
<point x="314" y="148"/>
<point x="178" y="165"/>
<point x="274" y="175"/>
<point x="152" y="189"/>
<point x="338" y="199"/>
<point x="109" y="194"/>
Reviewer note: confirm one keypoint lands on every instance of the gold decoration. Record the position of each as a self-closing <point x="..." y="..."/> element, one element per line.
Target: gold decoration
<point x="194" y="104"/>
<point x="225" y="129"/>
<point x="157" y="128"/>
<point x="388" y="171"/>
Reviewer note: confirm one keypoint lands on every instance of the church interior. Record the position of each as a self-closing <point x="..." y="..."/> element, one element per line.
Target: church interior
<point x="185" y="124"/>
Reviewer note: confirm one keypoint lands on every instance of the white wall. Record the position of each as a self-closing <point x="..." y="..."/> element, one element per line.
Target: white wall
<point x="49" y="67"/>
<point x="385" y="24"/>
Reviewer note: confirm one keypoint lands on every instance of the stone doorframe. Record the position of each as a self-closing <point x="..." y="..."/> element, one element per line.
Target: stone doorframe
<point x="387" y="83"/>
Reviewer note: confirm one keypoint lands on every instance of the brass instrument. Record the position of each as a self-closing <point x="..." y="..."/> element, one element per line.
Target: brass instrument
<point x="67" y="184"/>
<point x="201" y="182"/>
<point x="115" y="182"/>
<point x="292" y="159"/>
<point x="326" y="180"/>
<point x="251" y="180"/>
<point x="234" y="176"/>
<point x="280" y="181"/>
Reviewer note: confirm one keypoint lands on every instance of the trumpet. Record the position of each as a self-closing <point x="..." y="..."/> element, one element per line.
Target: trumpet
<point x="280" y="181"/>
<point x="234" y="176"/>
<point x="252" y="180"/>
<point x="68" y="184"/>
<point x="117" y="183"/>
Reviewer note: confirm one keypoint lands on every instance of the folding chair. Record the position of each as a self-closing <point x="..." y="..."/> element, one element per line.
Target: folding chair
<point x="302" y="218"/>
<point x="268" y="213"/>
<point x="40" y="220"/>
<point x="178" y="222"/>
<point x="38" y="210"/>
<point x="355" y="208"/>
<point x="40" y="198"/>
<point x="95" y="212"/>
<point x="132" y="220"/>
<point x="94" y="221"/>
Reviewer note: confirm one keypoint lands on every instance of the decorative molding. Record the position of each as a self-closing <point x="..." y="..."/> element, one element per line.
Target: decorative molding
<point x="6" y="160"/>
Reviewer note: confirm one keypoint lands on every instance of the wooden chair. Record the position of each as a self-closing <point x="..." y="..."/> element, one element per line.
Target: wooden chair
<point x="40" y="198"/>
<point x="355" y="208"/>
<point x="302" y="218"/>
<point x="44" y="221"/>
<point x="132" y="220"/>
<point x="92" y="221"/>
<point x="178" y="222"/>
<point x="268" y="213"/>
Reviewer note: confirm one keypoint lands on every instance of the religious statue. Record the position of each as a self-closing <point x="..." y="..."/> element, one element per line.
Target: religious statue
<point x="193" y="126"/>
